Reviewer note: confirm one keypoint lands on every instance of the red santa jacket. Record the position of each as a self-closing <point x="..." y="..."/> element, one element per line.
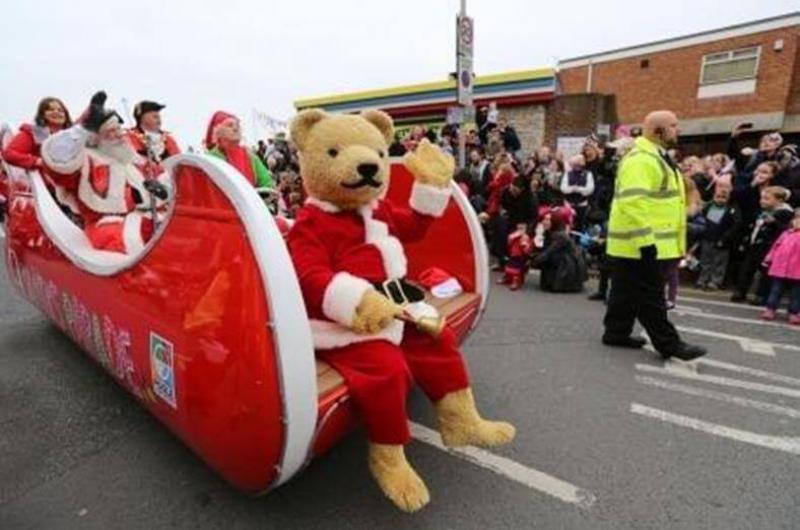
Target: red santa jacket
<point x="168" y="147"/>
<point x="338" y="255"/>
<point x="107" y="186"/>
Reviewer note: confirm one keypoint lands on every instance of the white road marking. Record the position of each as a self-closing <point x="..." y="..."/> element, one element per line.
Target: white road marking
<point x="781" y="443"/>
<point x="719" y="396"/>
<point x="716" y="316"/>
<point x="719" y="303"/>
<point x="750" y="371"/>
<point x="724" y="381"/>
<point x="688" y="309"/>
<point x="762" y="347"/>
<point x="532" y="478"/>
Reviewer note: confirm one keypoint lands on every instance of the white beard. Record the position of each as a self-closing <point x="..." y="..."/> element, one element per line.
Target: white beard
<point x="120" y="151"/>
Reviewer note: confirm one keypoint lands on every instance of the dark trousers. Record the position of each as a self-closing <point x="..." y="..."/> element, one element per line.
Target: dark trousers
<point x="637" y="292"/>
<point x="750" y="265"/>
<point x="500" y="228"/>
<point x="780" y="286"/>
<point x="713" y="263"/>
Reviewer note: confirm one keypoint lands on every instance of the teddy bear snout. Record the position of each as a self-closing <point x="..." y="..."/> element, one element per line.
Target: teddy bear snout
<point x="367" y="170"/>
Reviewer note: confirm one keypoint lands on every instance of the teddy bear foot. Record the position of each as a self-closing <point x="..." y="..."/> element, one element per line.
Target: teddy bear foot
<point x="397" y="478"/>
<point x="460" y="424"/>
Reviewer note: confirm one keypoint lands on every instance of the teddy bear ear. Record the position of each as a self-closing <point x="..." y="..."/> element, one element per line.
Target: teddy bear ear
<point x="382" y="121"/>
<point x="303" y="123"/>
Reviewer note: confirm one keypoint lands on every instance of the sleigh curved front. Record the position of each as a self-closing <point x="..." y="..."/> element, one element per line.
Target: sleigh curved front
<point x="207" y="328"/>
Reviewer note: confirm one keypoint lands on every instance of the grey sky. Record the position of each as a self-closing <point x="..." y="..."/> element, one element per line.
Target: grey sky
<point x="238" y="55"/>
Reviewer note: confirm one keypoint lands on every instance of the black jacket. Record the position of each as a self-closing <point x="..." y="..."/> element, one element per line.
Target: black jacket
<point x="563" y="269"/>
<point x="724" y="232"/>
<point x="511" y="139"/>
<point x="766" y="228"/>
<point x="520" y="209"/>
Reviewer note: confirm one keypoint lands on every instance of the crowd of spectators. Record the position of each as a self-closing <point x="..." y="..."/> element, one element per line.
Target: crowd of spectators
<point x="548" y="211"/>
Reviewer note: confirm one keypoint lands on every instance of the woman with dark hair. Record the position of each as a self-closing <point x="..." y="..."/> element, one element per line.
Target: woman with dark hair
<point x="25" y="148"/>
<point x="561" y="263"/>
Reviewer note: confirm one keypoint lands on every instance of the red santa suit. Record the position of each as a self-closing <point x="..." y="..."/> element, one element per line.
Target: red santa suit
<point x="153" y="147"/>
<point x="340" y="255"/>
<point x="112" y="199"/>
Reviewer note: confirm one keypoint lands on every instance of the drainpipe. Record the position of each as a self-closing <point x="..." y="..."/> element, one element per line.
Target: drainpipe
<point x="589" y="75"/>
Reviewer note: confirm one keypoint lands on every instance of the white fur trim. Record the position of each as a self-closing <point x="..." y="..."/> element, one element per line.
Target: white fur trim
<point x="325" y="206"/>
<point x="329" y="335"/>
<point x="394" y="259"/>
<point x="429" y="200"/>
<point x="65" y="151"/>
<point x="120" y="176"/>
<point x="132" y="233"/>
<point x="342" y="297"/>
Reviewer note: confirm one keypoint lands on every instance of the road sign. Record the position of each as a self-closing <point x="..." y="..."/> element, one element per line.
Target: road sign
<point x="465" y="39"/>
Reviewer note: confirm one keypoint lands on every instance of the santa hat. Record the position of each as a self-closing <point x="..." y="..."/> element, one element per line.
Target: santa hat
<point x="218" y="117"/>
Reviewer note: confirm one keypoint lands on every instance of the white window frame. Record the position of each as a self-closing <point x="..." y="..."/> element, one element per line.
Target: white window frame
<point x="729" y="58"/>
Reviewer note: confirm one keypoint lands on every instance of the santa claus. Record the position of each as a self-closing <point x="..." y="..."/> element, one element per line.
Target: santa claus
<point x="116" y="201"/>
<point x="147" y="138"/>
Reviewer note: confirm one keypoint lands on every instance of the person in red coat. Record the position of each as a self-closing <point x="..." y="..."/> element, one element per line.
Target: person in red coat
<point x="347" y="247"/>
<point x="24" y="149"/>
<point x="115" y="198"/>
<point x="148" y="139"/>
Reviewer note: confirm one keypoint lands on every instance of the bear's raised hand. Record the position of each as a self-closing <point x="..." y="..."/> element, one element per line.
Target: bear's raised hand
<point x="374" y="313"/>
<point x="430" y="165"/>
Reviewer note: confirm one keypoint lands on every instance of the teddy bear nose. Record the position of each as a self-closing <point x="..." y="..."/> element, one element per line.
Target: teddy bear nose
<point x="367" y="170"/>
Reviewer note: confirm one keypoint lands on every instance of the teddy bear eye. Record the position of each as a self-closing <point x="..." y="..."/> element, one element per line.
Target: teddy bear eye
<point x="381" y="154"/>
<point x="333" y="152"/>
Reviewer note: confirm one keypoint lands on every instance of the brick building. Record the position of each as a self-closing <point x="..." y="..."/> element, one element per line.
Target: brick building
<point x="748" y="72"/>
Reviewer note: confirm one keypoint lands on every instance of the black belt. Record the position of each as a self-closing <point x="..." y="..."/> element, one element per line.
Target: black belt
<point x="400" y="291"/>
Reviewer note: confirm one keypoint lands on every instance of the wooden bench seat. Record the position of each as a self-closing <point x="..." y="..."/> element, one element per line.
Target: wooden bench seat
<point x="329" y="379"/>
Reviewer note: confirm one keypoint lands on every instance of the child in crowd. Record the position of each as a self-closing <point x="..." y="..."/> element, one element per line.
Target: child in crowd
<point x="783" y="261"/>
<point x="772" y="220"/>
<point x="519" y="252"/>
<point x="721" y="224"/>
<point x="577" y="186"/>
<point x="563" y="269"/>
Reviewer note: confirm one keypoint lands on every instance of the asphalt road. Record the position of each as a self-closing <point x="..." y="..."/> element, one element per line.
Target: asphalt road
<point x="646" y="448"/>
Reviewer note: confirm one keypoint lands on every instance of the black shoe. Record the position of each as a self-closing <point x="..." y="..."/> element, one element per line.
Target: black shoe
<point x="737" y="297"/>
<point x="597" y="297"/>
<point x="686" y="352"/>
<point x="625" y="342"/>
<point x="756" y="302"/>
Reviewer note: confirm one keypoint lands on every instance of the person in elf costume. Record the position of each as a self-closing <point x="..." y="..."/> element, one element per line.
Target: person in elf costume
<point x="347" y="247"/>
<point x="148" y="139"/>
<point x="223" y="140"/>
<point x="115" y="199"/>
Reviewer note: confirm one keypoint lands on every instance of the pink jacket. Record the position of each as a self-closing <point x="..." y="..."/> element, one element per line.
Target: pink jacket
<point x="784" y="257"/>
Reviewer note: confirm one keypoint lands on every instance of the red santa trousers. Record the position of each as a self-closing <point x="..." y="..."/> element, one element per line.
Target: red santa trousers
<point x="379" y="375"/>
<point x="127" y="234"/>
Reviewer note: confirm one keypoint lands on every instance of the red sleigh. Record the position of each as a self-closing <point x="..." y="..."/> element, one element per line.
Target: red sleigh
<point x="207" y="327"/>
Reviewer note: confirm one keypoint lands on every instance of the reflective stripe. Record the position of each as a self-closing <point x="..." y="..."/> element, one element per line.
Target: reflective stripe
<point x="630" y="234"/>
<point x="666" y="235"/>
<point x="642" y="192"/>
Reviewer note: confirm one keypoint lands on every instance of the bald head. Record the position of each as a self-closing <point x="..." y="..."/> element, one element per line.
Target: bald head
<point x="661" y="127"/>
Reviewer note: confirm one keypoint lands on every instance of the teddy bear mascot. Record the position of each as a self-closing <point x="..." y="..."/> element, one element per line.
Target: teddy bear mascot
<point x="347" y="247"/>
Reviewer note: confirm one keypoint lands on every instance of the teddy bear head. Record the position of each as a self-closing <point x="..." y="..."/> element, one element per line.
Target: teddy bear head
<point x="344" y="158"/>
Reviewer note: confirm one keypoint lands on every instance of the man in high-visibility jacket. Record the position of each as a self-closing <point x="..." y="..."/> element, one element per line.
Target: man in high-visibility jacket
<point x="647" y="226"/>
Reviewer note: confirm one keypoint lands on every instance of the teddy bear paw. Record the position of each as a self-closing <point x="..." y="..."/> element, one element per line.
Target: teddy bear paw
<point x="396" y="478"/>
<point x="482" y="432"/>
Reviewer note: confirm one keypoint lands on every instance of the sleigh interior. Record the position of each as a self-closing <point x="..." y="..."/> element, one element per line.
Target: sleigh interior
<point x="249" y="396"/>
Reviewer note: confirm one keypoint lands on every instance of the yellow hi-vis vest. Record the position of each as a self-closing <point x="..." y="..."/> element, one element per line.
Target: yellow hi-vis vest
<point x="649" y="206"/>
